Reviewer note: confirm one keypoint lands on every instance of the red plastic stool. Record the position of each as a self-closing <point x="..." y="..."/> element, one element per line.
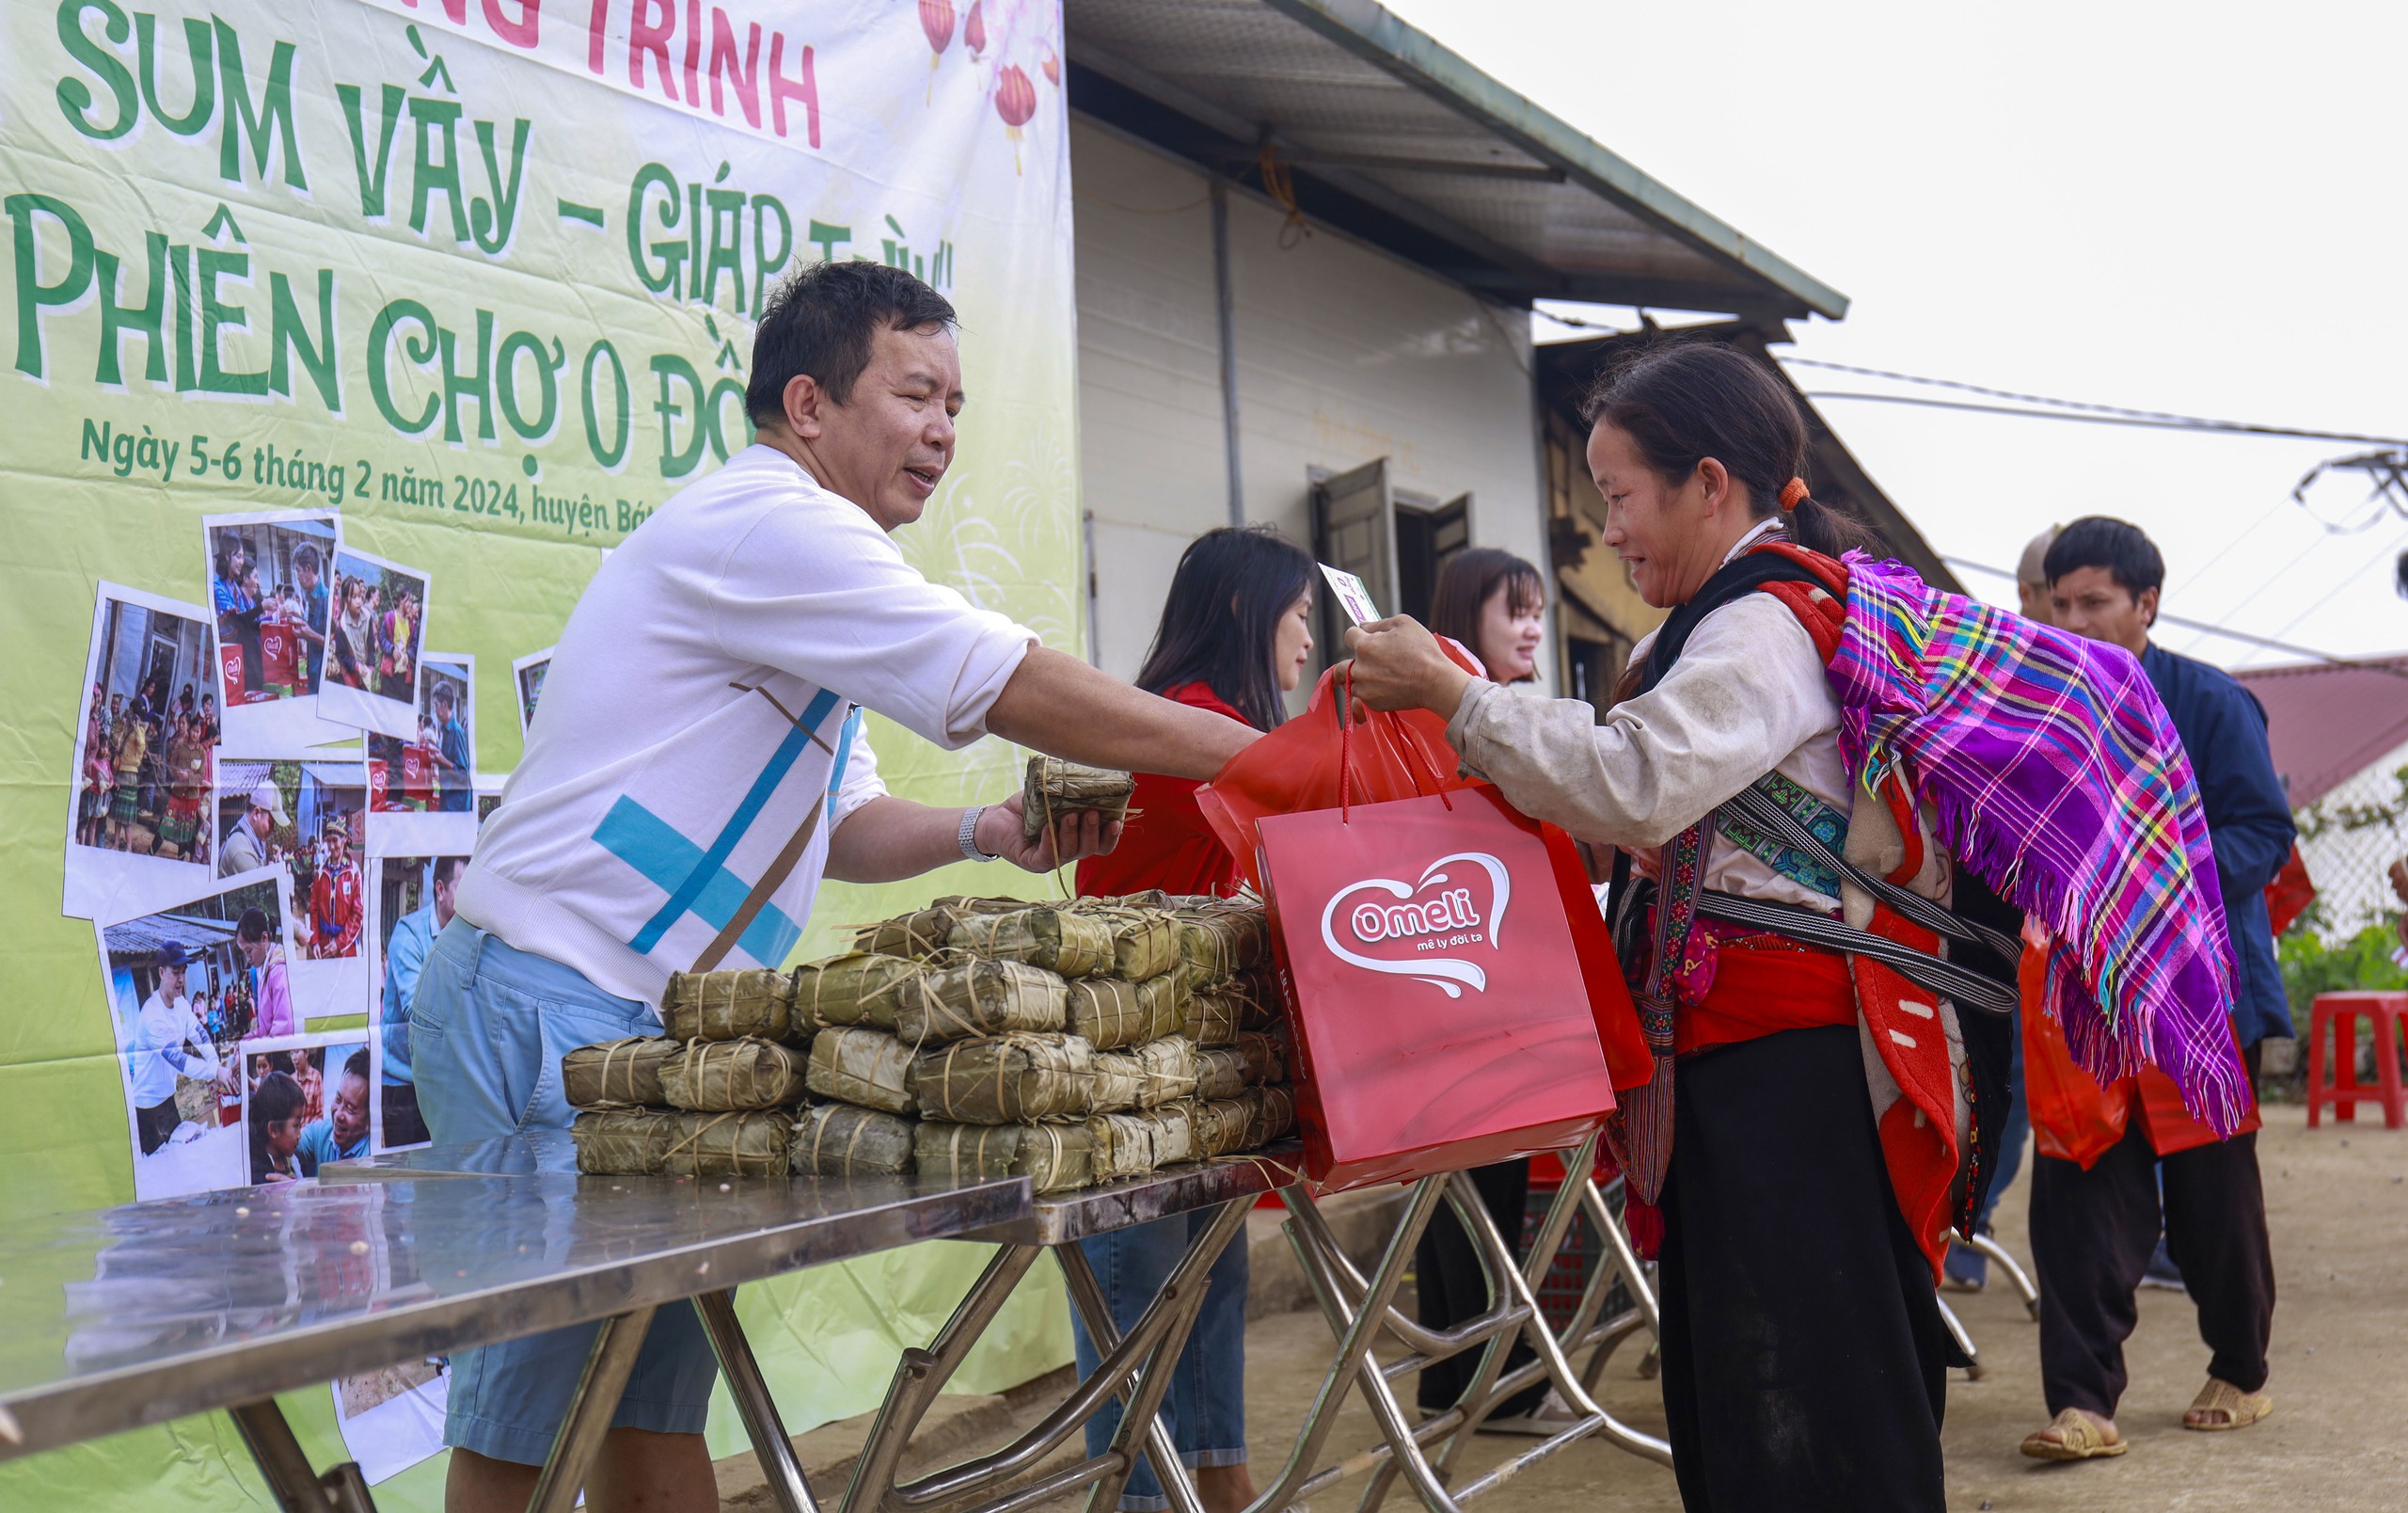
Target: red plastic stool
<point x="2386" y="1013"/>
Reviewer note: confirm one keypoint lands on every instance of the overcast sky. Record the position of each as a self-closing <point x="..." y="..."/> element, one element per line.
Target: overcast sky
<point x="2188" y="208"/>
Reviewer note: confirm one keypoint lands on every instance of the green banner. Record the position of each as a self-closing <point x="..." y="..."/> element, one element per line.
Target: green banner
<point x="346" y="338"/>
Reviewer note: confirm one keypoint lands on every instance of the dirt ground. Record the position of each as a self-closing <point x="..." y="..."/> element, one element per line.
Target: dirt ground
<point x="2338" y="1439"/>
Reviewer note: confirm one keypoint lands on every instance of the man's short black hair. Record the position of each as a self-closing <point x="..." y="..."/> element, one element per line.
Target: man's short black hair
<point x="821" y="321"/>
<point x="2129" y="557"/>
<point x="305" y="559"/>
<point x="355" y="1065"/>
<point x="448" y="869"/>
<point x="445" y="693"/>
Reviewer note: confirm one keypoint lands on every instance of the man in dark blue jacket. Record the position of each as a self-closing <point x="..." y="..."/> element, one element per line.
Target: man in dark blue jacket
<point x="2093" y="1229"/>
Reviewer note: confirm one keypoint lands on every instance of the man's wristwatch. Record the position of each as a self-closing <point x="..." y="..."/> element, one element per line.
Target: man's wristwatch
<point x="968" y="835"/>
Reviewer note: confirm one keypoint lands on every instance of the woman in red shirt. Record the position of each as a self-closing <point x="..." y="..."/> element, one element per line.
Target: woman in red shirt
<point x="1235" y="637"/>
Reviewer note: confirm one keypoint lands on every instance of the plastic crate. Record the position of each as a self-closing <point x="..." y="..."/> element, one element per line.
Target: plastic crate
<point x="1559" y="1291"/>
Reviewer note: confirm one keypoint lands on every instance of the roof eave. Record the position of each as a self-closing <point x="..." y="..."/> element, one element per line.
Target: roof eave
<point x="1374" y="34"/>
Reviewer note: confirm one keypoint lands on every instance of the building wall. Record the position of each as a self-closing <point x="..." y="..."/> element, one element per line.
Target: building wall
<point x="1344" y="355"/>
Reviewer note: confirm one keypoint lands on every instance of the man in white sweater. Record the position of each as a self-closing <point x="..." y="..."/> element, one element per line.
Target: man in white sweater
<point x="696" y="767"/>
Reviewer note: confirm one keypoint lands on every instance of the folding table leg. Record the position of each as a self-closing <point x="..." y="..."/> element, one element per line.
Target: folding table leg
<point x="607" y="1365"/>
<point x="1974" y="1367"/>
<point x="762" y="1424"/>
<point x="2015" y="1273"/>
<point x="1355" y="1336"/>
<point x="297" y="1488"/>
<point x="1095" y="1312"/>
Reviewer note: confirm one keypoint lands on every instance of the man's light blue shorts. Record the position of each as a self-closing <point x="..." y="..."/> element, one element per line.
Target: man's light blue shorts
<point x="488" y="1025"/>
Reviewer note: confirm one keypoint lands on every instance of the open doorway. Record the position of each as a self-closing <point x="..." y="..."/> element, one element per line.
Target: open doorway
<point x="1396" y="540"/>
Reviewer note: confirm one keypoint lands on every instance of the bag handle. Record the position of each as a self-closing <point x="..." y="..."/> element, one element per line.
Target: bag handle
<point x="1407" y="742"/>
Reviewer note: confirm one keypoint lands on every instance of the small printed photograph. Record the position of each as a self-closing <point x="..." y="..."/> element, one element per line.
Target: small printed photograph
<point x="392" y="1419"/>
<point x="378" y="627"/>
<point x="434" y="770"/>
<point x="489" y="788"/>
<point x="529" y="673"/>
<point x="187" y="985"/>
<point x="271" y="598"/>
<point x="409" y="905"/>
<point x="145" y="745"/>
<point x="310" y="819"/>
<point x="307" y="1100"/>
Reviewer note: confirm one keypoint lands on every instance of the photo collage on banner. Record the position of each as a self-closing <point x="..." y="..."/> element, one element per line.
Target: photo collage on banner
<point x="274" y="792"/>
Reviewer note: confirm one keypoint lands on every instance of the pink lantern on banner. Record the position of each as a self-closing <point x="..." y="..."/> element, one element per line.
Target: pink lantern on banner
<point x="935" y="20"/>
<point x="1015" y="101"/>
<point x="973" y="31"/>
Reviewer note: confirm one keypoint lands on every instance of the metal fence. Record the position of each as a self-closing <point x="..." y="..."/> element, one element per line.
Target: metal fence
<point x="2348" y="838"/>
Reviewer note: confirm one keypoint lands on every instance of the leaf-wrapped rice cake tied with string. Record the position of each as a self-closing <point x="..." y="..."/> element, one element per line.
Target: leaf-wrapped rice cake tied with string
<point x="1213" y="1018"/>
<point x="719" y="1076"/>
<point x="620" y="1073"/>
<point x="1217" y="943"/>
<point x="853" y="989"/>
<point x="1265" y="1055"/>
<point x="1221" y="1124"/>
<point x="960" y="996"/>
<point x="835" y="1139"/>
<point x="753" y="1144"/>
<point x="1260" y="1001"/>
<point x="1220" y="1072"/>
<point x="630" y="1143"/>
<point x="1056" y="789"/>
<point x="1154" y="1074"/>
<point x="867" y="1067"/>
<point x="1005" y="1079"/>
<point x="1271" y="1113"/>
<point x="1066" y="941"/>
<point x="923" y="931"/>
<point x="1110" y="1012"/>
<point x="1054" y="1157"/>
<point x="1134" y="1144"/>
<point x="730" y="1005"/>
<point x="1145" y="942"/>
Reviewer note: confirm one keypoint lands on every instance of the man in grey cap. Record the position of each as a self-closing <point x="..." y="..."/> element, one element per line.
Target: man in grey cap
<point x="246" y="845"/>
<point x="168" y="1040"/>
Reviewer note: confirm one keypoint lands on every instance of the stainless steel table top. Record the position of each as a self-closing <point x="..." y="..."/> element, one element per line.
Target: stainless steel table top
<point x="115" y="1319"/>
<point x="1058" y="1218"/>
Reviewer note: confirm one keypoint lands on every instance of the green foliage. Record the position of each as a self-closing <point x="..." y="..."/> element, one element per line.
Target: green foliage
<point x="2362" y="961"/>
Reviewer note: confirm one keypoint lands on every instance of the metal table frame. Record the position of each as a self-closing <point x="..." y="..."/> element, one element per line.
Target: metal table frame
<point x="1136" y="1367"/>
<point x="643" y="1284"/>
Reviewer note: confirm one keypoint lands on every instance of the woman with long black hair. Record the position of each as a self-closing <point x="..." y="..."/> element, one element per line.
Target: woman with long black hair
<point x="1235" y="638"/>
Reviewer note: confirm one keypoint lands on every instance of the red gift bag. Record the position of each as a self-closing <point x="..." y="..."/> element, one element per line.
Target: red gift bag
<point x="1315" y="762"/>
<point x="1438" y="1012"/>
<point x="276" y="646"/>
<point x="379" y="790"/>
<point x="418" y="776"/>
<point x="230" y="672"/>
<point x="1455" y="999"/>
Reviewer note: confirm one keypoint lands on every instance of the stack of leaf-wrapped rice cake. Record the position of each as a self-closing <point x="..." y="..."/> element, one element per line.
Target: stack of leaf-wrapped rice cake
<point x="1069" y="1043"/>
<point x="713" y="1096"/>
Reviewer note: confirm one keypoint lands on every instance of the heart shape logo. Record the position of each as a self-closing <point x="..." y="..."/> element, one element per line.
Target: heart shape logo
<point x="1432" y="918"/>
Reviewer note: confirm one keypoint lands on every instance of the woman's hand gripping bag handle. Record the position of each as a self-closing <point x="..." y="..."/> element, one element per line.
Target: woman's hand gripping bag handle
<point x="1320" y="761"/>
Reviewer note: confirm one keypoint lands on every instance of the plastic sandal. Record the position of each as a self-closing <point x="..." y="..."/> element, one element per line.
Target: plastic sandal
<point x="2240" y="1410"/>
<point x="2076" y="1438"/>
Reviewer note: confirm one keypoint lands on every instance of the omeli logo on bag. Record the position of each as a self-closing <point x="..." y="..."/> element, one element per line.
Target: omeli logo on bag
<point x="1426" y="918"/>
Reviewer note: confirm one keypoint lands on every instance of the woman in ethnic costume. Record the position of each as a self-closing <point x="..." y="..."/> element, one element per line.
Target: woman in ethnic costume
<point x="1804" y="1356"/>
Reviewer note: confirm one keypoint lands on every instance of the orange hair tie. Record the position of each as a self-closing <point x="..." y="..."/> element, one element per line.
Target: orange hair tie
<point x="1793" y="494"/>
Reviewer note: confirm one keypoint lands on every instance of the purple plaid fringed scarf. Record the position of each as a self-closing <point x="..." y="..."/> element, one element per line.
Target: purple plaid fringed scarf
<point x="2059" y="781"/>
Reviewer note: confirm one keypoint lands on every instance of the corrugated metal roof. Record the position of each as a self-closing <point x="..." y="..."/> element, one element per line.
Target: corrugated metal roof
<point x="141" y="938"/>
<point x="2329" y="722"/>
<point x="1393" y="137"/>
